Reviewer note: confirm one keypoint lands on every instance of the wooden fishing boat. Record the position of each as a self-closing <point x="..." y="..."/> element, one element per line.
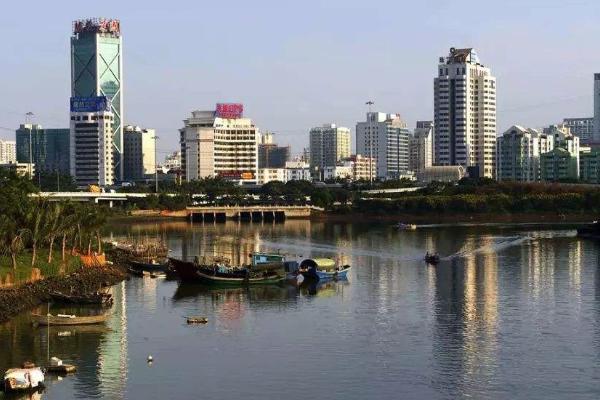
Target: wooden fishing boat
<point x="265" y="269"/>
<point x="104" y="299"/>
<point x="323" y="269"/>
<point x="406" y="227"/>
<point x="61" y="319"/>
<point x="150" y="266"/>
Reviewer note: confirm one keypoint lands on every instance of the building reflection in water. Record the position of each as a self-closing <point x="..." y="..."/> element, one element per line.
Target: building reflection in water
<point x="466" y="316"/>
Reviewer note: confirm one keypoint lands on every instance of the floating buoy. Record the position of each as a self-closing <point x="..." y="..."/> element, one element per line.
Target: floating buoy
<point x="150" y="359"/>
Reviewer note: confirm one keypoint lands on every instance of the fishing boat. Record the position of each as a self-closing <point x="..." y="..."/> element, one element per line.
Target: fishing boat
<point x="264" y="269"/>
<point x="323" y="269"/>
<point x="151" y="265"/>
<point x="406" y="227"/>
<point x="104" y="299"/>
<point x="432" y="259"/>
<point x="63" y="319"/>
<point x="27" y="378"/>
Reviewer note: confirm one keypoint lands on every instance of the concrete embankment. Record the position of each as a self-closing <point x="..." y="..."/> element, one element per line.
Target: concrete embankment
<point x="84" y="281"/>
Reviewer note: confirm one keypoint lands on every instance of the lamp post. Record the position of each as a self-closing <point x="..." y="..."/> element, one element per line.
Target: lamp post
<point x="369" y="117"/>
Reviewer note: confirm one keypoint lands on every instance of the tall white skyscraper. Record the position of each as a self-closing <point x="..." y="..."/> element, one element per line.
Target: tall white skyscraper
<point x="91" y="143"/>
<point x="465" y="113"/>
<point x="384" y="137"/>
<point x="328" y="145"/>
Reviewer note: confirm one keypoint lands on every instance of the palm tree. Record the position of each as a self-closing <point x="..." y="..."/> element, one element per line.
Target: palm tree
<point x="36" y="214"/>
<point x="54" y="216"/>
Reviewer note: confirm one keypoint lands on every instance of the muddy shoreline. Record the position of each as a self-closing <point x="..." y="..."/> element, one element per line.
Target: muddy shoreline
<point x="86" y="280"/>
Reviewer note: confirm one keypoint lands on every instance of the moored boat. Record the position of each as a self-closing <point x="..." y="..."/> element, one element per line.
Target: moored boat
<point x="104" y="299"/>
<point x="264" y="269"/>
<point x="150" y="266"/>
<point x="62" y="319"/>
<point x="27" y="378"/>
<point x="323" y="269"/>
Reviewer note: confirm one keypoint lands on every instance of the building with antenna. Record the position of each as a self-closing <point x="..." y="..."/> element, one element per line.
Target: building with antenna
<point x="465" y="113"/>
<point x="97" y="70"/>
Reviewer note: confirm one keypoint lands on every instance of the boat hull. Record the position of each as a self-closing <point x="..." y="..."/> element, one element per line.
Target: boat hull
<point x="150" y="267"/>
<point x="66" y="321"/>
<point x="190" y="272"/>
<point x="319" y="275"/>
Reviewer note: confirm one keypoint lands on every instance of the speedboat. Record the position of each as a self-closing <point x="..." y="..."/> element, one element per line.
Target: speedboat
<point x="432" y="259"/>
<point x="29" y="377"/>
<point x="406" y="227"/>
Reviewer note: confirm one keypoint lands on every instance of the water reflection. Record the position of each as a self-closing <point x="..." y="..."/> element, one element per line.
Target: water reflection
<point x="490" y="321"/>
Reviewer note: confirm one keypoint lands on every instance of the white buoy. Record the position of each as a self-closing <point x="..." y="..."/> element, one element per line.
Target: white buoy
<point x="150" y="359"/>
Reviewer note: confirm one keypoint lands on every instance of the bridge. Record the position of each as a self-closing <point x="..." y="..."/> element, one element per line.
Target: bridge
<point x="109" y="197"/>
<point x="247" y="213"/>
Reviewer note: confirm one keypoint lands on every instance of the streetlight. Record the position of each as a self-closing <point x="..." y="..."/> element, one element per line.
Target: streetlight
<point x="370" y="117"/>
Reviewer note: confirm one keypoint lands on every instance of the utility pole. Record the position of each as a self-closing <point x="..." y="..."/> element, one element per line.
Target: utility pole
<point x="369" y="117"/>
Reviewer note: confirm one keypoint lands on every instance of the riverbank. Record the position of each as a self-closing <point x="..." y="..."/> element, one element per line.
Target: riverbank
<point x="436" y="218"/>
<point x="84" y="281"/>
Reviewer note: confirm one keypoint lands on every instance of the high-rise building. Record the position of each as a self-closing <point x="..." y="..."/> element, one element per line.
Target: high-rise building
<point x="271" y="155"/>
<point x="384" y="137"/>
<point x="49" y="148"/>
<point x="139" y="153"/>
<point x="91" y="141"/>
<point x="8" y="152"/>
<point x="328" y="145"/>
<point x="297" y="171"/>
<point x="421" y="147"/>
<point x="583" y="128"/>
<point x="465" y="113"/>
<point x="596" y="128"/>
<point x="519" y="151"/>
<point x="220" y="143"/>
<point x="562" y="162"/>
<point x="97" y="70"/>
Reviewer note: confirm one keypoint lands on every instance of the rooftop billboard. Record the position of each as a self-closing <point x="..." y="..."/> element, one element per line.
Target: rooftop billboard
<point x="229" y="110"/>
<point x="90" y="104"/>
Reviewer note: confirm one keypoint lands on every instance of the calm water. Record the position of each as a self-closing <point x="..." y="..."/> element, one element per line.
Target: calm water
<point x="511" y="312"/>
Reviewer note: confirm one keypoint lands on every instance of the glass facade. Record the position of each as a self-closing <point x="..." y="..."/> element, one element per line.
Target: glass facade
<point x="50" y="150"/>
<point x="96" y="70"/>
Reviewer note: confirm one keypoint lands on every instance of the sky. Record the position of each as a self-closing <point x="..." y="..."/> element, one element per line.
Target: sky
<point x="295" y="65"/>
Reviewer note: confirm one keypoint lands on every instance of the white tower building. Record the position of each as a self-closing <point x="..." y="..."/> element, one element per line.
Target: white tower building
<point x="465" y="113"/>
<point x="91" y="141"/>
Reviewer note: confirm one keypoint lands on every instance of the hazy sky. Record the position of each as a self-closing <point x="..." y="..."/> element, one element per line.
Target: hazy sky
<point x="304" y="63"/>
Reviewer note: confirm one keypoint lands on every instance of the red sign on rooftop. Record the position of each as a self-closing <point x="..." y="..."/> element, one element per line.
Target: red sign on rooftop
<point x="229" y="110"/>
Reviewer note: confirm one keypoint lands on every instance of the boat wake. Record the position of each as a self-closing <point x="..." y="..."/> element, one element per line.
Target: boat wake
<point x="495" y="247"/>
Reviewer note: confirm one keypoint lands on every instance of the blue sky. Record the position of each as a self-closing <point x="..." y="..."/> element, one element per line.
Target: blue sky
<point x="305" y="63"/>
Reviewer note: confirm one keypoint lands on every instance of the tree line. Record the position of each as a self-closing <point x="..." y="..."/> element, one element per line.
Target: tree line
<point x="29" y="223"/>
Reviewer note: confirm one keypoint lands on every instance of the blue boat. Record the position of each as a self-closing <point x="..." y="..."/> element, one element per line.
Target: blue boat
<point x="323" y="269"/>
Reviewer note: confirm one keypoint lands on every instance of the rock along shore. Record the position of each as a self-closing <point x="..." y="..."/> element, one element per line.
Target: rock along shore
<point x="84" y="281"/>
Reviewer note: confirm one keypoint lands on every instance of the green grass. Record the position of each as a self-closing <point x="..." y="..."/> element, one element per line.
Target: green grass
<point x="24" y="269"/>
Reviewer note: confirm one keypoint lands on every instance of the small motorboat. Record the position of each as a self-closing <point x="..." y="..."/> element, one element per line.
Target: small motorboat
<point x="29" y="377"/>
<point x="150" y="266"/>
<point x="406" y="227"/>
<point x="63" y="319"/>
<point x="591" y="231"/>
<point x="432" y="259"/>
<point x="323" y="269"/>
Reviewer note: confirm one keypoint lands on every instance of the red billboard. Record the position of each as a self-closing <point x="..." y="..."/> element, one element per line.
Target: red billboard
<point x="229" y="110"/>
<point x="236" y="175"/>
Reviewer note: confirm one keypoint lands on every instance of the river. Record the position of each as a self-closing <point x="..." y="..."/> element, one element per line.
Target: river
<point x="510" y="312"/>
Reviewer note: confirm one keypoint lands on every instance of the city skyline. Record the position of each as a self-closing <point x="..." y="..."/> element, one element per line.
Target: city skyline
<point x="320" y="92"/>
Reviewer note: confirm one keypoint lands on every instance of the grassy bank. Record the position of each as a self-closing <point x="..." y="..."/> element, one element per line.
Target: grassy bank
<point x="25" y="271"/>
